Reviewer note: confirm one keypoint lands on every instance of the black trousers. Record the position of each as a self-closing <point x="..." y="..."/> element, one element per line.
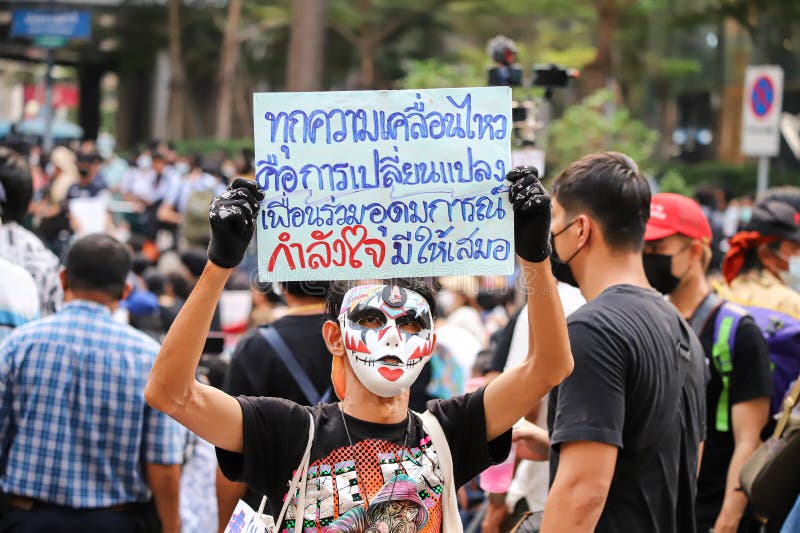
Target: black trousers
<point x="46" y="518"/>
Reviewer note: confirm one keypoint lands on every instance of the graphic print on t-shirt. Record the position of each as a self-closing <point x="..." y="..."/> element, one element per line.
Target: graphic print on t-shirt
<point x="381" y="488"/>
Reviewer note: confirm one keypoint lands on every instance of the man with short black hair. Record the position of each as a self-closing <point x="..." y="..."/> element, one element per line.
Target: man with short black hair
<point x="80" y="449"/>
<point x="17" y="244"/>
<point x="625" y="427"/>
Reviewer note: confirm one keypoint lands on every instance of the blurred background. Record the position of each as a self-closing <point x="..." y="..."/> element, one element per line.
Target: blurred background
<point x="659" y="79"/>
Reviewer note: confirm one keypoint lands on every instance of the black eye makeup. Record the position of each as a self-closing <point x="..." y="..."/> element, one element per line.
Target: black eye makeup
<point x="412" y="322"/>
<point x="369" y="318"/>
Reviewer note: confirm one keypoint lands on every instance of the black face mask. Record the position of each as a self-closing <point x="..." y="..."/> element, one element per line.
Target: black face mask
<point x="561" y="270"/>
<point x="658" y="269"/>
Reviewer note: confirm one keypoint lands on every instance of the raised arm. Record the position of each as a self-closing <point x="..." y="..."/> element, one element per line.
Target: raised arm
<point x="172" y="387"/>
<point x="516" y="391"/>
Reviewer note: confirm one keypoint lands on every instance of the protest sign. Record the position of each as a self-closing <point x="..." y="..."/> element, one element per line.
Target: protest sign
<point x="245" y="520"/>
<point x="89" y="215"/>
<point x="376" y="184"/>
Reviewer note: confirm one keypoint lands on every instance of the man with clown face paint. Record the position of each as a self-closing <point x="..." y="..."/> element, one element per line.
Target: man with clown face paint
<point x="388" y="336"/>
<point x="371" y="455"/>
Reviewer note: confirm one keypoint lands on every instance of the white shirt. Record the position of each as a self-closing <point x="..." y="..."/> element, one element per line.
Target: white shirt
<point x="468" y="319"/>
<point x="24" y="249"/>
<point x="19" y="298"/>
<point x="141" y="183"/>
<point x="178" y="196"/>
<point x="532" y="478"/>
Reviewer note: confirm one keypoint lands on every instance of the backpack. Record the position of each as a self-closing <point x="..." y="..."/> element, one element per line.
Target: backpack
<point x="195" y="227"/>
<point x="782" y="333"/>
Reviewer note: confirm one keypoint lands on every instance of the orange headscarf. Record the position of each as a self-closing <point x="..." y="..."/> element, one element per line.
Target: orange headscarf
<point x="741" y="243"/>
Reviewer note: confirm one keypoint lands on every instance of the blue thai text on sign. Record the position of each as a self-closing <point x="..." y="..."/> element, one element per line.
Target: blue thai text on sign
<point x="377" y="184"/>
<point x="36" y="23"/>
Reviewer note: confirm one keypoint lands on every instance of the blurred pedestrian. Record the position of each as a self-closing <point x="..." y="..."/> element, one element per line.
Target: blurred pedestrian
<point x="51" y="208"/>
<point x="677" y="254"/>
<point x="81" y="450"/>
<point x="463" y="311"/>
<point x="19" y="299"/>
<point x="17" y="244"/>
<point x="147" y="186"/>
<point x="185" y="206"/>
<point x="626" y="426"/>
<point x="762" y="267"/>
<point x="266" y="305"/>
<point x="114" y="168"/>
<point x="709" y="200"/>
<point x="90" y="183"/>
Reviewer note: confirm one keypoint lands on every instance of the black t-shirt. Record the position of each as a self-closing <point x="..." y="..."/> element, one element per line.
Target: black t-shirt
<point x="638" y="384"/>
<point x="502" y="343"/>
<point x="89" y="190"/>
<point x="256" y="370"/>
<point x="750" y="378"/>
<point x="342" y="481"/>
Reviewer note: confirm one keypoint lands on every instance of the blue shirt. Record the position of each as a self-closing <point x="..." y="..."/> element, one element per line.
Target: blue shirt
<point x="74" y="427"/>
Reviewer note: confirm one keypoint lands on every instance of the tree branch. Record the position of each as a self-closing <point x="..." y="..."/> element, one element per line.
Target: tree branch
<point x="398" y="23"/>
<point x="346" y="33"/>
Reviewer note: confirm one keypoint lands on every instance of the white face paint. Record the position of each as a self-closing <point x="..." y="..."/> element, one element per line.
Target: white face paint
<point x="388" y="335"/>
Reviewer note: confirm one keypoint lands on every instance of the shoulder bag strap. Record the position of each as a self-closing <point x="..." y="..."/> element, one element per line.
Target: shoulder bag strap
<point x="298" y="482"/>
<point x="725" y="329"/>
<point x="788" y="404"/>
<point x="274" y="339"/>
<point x="704" y="310"/>
<point x="451" y="520"/>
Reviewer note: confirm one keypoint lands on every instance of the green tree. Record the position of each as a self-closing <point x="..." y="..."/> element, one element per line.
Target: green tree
<point x="673" y="181"/>
<point x="595" y="124"/>
<point x="370" y="25"/>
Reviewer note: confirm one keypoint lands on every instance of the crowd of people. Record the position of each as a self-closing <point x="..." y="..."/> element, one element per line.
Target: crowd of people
<point x="130" y="402"/>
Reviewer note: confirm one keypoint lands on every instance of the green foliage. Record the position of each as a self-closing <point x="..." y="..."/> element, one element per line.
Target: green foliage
<point x="592" y="126"/>
<point x="229" y="147"/>
<point x="435" y="73"/>
<point x="672" y="181"/>
<point x="678" y="67"/>
<point x="738" y="180"/>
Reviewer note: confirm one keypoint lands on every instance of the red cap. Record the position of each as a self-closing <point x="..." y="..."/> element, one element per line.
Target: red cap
<point x="672" y="214"/>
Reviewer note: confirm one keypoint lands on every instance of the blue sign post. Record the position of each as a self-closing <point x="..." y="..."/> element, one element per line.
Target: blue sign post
<point x="50" y="29"/>
<point x="40" y="23"/>
<point x="761" y="113"/>
<point x="762" y="96"/>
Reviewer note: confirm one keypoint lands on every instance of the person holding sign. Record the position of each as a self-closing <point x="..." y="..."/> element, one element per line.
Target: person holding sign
<point x="371" y="464"/>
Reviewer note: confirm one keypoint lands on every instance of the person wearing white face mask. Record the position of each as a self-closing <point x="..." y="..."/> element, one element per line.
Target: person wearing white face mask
<point x="374" y="465"/>
<point x="762" y="267"/>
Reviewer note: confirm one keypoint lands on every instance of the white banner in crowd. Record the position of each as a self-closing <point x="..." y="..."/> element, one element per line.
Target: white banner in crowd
<point x="375" y="184"/>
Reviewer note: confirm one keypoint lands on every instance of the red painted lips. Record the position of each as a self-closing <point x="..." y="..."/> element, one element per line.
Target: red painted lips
<point x="392" y="374"/>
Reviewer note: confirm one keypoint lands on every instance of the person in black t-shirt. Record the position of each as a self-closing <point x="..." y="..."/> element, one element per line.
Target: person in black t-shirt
<point x="373" y="464"/>
<point x="626" y="426"/>
<point x="90" y="183"/>
<point x="257" y="370"/>
<point x="676" y="257"/>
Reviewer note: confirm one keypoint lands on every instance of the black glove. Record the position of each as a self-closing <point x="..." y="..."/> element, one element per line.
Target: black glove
<point x="531" y="205"/>
<point x="233" y="220"/>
